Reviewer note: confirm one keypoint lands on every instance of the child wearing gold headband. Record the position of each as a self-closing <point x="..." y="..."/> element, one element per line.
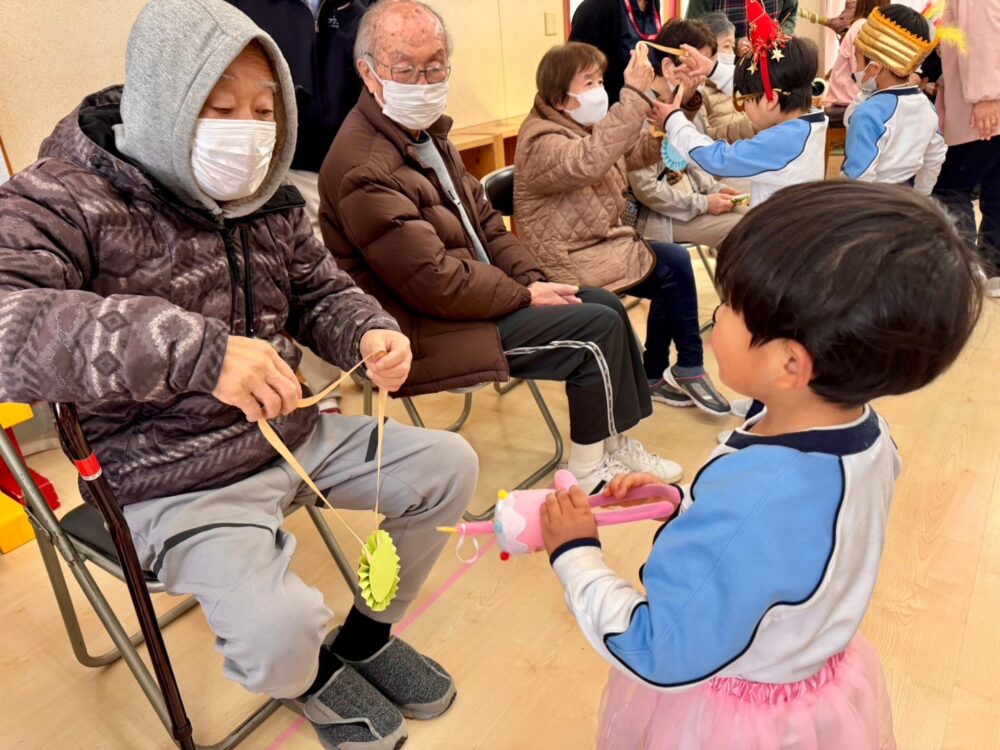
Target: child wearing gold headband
<point x="892" y="129"/>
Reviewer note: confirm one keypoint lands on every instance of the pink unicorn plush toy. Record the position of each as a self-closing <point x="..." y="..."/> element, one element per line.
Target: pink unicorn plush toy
<point x="517" y="520"/>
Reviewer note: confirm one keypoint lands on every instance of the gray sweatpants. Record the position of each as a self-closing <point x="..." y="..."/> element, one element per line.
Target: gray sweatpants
<point x="227" y="548"/>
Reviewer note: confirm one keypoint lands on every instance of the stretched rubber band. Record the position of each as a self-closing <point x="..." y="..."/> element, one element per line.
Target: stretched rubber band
<point x="458" y="548"/>
<point x="276" y="442"/>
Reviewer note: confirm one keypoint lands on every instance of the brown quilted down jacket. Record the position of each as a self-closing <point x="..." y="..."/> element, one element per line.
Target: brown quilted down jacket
<point x="386" y="218"/>
<point x="117" y="295"/>
<point x="569" y="193"/>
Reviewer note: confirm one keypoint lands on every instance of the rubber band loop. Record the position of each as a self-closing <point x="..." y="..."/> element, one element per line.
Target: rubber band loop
<point x="89" y="468"/>
<point x="458" y="548"/>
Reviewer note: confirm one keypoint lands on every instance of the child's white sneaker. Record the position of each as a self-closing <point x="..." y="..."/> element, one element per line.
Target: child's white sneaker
<point x="635" y="457"/>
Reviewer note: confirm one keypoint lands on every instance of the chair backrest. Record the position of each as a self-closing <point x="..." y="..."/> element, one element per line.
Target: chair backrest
<point x="499" y="187"/>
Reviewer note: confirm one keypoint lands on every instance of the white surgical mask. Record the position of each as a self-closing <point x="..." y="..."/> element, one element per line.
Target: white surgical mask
<point x="867" y="87"/>
<point x="593" y="106"/>
<point x="230" y="157"/>
<point x="729" y="58"/>
<point x="411" y="105"/>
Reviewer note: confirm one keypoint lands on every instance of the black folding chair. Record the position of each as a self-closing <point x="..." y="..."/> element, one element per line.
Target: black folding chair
<point x="99" y="535"/>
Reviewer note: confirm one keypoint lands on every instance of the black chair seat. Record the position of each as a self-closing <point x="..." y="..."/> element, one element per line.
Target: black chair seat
<point x="86" y="525"/>
<point x="499" y="189"/>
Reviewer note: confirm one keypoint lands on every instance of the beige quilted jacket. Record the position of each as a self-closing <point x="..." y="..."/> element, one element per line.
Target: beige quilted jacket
<point x="569" y="193"/>
<point x="724" y="122"/>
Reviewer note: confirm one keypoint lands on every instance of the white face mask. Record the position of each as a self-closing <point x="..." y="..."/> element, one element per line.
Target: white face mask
<point x="593" y="106"/>
<point x="729" y="58"/>
<point x="230" y="157"/>
<point x="867" y="87"/>
<point x="411" y="105"/>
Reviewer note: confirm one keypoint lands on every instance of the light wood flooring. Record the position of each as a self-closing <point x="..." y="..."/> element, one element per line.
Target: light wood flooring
<point x="525" y="676"/>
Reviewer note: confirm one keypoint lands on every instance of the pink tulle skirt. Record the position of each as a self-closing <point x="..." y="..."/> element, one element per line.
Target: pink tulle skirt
<point x="844" y="706"/>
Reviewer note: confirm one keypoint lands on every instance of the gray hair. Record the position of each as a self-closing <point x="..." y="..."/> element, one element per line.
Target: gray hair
<point x="718" y="22"/>
<point x="367" y="39"/>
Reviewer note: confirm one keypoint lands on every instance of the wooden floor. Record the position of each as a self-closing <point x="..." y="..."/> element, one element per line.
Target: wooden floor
<point x="525" y="676"/>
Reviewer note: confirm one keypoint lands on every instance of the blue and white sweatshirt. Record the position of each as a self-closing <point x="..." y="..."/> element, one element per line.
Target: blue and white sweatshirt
<point x="787" y="154"/>
<point x="765" y="574"/>
<point x="893" y="136"/>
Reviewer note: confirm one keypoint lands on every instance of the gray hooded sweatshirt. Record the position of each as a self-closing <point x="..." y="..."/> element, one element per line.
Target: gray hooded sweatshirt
<point x="120" y="279"/>
<point x="177" y="51"/>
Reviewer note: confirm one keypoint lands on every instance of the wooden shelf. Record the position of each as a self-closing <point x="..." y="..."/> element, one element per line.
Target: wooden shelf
<point x="488" y="146"/>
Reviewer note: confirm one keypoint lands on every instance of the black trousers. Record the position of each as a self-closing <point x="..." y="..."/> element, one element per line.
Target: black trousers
<point x="591" y="347"/>
<point x="968" y="167"/>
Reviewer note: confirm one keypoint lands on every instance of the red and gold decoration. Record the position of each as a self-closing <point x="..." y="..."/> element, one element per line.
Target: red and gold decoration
<point x="766" y="42"/>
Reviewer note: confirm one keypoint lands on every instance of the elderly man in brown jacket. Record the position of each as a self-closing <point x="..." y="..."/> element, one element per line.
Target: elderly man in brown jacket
<point x="414" y="228"/>
<point x="151" y="263"/>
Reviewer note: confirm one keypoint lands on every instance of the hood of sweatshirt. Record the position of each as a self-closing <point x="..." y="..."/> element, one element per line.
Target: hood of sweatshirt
<point x="177" y="52"/>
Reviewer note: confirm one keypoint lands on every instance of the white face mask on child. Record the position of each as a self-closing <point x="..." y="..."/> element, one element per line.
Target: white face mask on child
<point x="593" y="106"/>
<point x="867" y="87"/>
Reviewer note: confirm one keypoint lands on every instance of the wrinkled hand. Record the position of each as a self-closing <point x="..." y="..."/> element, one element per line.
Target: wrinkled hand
<point x="985" y="118"/>
<point x="639" y="72"/>
<point x="729" y="191"/>
<point x="567" y="516"/>
<point x="689" y="83"/>
<point x="548" y="294"/>
<point x="743" y="47"/>
<point x="256" y="380"/>
<point x="719" y="204"/>
<point x="622" y="484"/>
<point x="390" y="370"/>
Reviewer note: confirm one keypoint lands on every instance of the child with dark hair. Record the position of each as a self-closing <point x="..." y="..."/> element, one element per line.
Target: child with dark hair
<point x="892" y="133"/>
<point x="747" y="633"/>
<point x="790" y="146"/>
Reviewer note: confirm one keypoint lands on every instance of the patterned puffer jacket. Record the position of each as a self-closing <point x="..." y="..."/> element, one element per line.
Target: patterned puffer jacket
<point x="118" y="295"/>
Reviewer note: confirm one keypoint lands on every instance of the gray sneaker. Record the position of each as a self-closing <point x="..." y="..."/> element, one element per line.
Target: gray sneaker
<point x="665" y="393"/>
<point x="701" y="390"/>
<point x="349" y="714"/>
<point x="415" y="684"/>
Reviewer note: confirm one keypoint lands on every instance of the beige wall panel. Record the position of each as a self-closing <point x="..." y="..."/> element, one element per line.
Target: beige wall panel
<point x="52" y="54"/>
<point x="477" y="78"/>
<point x="522" y="26"/>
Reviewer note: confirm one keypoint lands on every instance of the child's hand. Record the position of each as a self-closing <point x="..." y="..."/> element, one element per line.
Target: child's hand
<point x="697" y="63"/>
<point x="623" y="483"/>
<point x="662" y="110"/>
<point x="567" y="516"/>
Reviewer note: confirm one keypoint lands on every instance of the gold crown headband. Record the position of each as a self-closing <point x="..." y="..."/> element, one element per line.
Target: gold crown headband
<point x="901" y="51"/>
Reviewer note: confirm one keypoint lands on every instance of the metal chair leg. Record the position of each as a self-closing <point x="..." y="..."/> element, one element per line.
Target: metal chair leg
<point x="418" y="421"/>
<point x="508" y="386"/>
<point x="548" y="466"/>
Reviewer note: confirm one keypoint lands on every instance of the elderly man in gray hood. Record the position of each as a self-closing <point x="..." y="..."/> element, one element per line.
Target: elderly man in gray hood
<point x="152" y="266"/>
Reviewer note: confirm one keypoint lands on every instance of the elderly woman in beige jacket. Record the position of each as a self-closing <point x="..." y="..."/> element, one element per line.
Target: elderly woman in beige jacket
<point x="573" y="157"/>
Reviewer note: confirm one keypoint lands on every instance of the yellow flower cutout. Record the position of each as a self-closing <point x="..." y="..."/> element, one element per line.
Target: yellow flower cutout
<point x="378" y="571"/>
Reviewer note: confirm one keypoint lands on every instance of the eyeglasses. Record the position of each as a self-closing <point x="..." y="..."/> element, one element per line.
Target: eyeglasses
<point x="409" y="74"/>
<point x="740" y="100"/>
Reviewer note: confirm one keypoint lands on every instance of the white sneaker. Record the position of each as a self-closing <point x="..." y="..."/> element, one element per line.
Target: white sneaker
<point x="637" y="458"/>
<point x="607" y="470"/>
<point x="992" y="287"/>
<point x="740" y="406"/>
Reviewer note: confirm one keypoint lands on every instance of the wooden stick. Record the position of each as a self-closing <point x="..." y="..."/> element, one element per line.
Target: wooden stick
<point x="668" y="50"/>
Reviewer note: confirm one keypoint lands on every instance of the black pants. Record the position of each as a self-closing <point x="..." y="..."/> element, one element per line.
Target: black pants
<point x="967" y="167"/>
<point x="591" y="347"/>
